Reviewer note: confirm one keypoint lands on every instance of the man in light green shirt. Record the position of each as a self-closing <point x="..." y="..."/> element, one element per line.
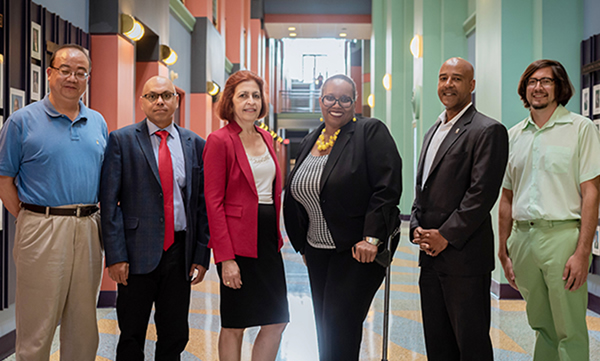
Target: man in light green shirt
<point x="549" y="211"/>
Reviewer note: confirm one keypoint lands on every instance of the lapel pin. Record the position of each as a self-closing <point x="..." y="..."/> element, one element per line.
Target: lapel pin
<point x="457" y="129"/>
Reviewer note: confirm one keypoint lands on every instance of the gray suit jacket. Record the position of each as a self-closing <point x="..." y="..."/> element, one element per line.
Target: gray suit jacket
<point x="132" y="205"/>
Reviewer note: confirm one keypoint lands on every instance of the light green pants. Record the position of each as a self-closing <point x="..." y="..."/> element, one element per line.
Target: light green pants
<point x="539" y="253"/>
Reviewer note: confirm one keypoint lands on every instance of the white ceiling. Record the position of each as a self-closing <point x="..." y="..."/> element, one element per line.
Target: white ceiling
<point x="323" y="30"/>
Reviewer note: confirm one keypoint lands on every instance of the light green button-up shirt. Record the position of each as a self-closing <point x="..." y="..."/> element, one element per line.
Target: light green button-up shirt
<point x="547" y="165"/>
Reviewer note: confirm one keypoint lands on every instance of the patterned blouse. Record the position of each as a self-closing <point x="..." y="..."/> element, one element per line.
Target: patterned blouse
<point x="305" y="189"/>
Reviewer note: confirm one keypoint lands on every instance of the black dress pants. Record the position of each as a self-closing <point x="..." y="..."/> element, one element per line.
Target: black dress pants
<point x="342" y="290"/>
<point x="169" y="290"/>
<point x="456" y="316"/>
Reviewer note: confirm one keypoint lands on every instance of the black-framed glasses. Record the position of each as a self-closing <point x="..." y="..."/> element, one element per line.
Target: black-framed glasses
<point x="166" y="96"/>
<point x="344" y="101"/>
<point x="66" y="72"/>
<point x="546" y="82"/>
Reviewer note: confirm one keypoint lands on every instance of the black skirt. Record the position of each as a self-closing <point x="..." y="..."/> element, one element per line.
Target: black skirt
<point x="262" y="299"/>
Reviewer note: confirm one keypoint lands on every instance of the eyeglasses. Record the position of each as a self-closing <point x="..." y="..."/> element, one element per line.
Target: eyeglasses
<point x="66" y="72"/>
<point x="344" y="101"/>
<point x="546" y="82"/>
<point x="166" y="96"/>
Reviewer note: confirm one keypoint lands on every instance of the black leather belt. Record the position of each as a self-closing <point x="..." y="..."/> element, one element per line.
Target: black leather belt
<point x="84" y="211"/>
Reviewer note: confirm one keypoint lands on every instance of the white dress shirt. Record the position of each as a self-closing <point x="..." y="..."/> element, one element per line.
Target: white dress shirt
<point x="437" y="139"/>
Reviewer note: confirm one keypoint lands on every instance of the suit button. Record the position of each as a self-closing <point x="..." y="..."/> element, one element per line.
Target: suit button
<point x="322" y="201"/>
<point x="160" y="195"/>
<point x="162" y="219"/>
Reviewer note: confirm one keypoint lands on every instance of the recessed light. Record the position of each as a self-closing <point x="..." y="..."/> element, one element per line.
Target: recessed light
<point x="343" y="35"/>
<point x="293" y="35"/>
<point x="292" y="28"/>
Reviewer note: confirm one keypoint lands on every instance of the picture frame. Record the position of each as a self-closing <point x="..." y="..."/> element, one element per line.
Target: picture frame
<point x="36" y="41"/>
<point x="1" y="81"/>
<point x="17" y="99"/>
<point x="596" y="97"/>
<point x="585" y="102"/>
<point x="36" y="85"/>
<point x="47" y="83"/>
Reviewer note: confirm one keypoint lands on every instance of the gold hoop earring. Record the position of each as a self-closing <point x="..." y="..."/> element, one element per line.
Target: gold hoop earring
<point x="321" y="119"/>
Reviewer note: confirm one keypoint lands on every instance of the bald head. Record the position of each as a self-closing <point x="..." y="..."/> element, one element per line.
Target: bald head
<point x="159" y="101"/>
<point x="156" y="81"/>
<point x="462" y="65"/>
<point x="455" y="85"/>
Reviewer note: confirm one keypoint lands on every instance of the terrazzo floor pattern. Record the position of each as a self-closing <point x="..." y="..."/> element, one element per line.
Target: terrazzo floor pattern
<point x="511" y="336"/>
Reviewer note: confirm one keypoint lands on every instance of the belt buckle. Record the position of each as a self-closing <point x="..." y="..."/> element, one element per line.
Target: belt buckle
<point x="47" y="212"/>
<point x="78" y="214"/>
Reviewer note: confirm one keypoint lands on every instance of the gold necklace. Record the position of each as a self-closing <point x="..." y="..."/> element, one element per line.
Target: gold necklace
<point x="323" y="145"/>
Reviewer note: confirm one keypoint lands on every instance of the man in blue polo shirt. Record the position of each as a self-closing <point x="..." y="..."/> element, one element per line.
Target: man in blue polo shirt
<point x="51" y="153"/>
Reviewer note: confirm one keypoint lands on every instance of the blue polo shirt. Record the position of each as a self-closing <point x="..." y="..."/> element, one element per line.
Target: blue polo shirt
<point x="55" y="161"/>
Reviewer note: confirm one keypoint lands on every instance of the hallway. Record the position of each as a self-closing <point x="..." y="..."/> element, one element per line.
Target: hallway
<point x="511" y="336"/>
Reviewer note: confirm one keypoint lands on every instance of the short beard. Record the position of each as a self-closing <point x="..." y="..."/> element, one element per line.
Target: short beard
<point x="541" y="106"/>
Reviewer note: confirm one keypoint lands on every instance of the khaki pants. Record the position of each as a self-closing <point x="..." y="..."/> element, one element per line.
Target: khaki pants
<point x="539" y="253"/>
<point x="59" y="268"/>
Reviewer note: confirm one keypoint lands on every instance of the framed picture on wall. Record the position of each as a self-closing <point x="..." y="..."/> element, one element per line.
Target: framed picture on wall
<point x="36" y="41"/>
<point x="17" y="99"/>
<point x="585" y="102"/>
<point x="1" y="81"/>
<point x="596" y="99"/>
<point x="36" y="86"/>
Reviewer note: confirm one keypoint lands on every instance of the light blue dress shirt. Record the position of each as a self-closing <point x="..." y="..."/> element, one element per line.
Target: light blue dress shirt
<point x="174" y="144"/>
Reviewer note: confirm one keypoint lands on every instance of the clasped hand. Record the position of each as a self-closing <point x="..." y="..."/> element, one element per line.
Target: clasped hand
<point x="430" y="241"/>
<point x="364" y="252"/>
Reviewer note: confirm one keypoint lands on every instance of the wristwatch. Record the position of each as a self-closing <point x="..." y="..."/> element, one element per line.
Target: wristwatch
<point x="372" y="240"/>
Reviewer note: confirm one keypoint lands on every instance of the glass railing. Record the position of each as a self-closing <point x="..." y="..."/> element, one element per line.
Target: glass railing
<point x="299" y="101"/>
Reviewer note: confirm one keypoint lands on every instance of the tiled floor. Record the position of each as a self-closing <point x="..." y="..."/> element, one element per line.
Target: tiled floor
<point x="511" y="335"/>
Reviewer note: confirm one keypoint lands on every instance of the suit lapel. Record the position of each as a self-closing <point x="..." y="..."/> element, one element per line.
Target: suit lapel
<point x="338" y="148"/>
<point x="456" y="132"/>
<point x="188" y="153"/>
<point x="144" y="139"/>
<point x="426" y="143"/>
<point x="240" y="154"/>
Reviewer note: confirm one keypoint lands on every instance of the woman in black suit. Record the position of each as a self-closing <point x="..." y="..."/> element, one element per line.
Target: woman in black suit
<point x="340" y="207"/>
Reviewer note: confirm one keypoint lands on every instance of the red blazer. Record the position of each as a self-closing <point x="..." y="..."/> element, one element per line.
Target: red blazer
<point x="230" y="194"/>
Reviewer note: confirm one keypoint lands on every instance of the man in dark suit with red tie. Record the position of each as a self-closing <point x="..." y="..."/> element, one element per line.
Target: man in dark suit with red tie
<point x="459" y="175"/>
<point x="154" y="224"/>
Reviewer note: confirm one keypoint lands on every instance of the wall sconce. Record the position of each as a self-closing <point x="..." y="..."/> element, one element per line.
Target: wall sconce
<point x="416" y="46"/>
<point x="212" y="88"/>
<point x="387" y="81"/>
<point x="371" y="100"/>
<point x="168" y="55"/>
<point x="131" y="28"/>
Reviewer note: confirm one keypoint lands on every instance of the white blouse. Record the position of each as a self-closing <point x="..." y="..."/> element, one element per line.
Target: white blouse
<point x="263" y="170"/>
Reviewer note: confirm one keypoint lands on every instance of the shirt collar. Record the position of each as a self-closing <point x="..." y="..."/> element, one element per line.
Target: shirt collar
<point x="52" y="112"/>
<point x="153" y="128"/>
<point x="560" y="116"/>
<point x="453" y="121"/>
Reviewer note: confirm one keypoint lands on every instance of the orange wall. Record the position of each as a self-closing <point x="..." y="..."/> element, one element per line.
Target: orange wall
<point x="143" y="72"/>
<point x="200" y="8"/>
<point x="234" y="13"/>
<point x="112" y="79"/>
<point x="201" y="114"/>
<point x="255" y="48"/>
<point x="356" y="75"/>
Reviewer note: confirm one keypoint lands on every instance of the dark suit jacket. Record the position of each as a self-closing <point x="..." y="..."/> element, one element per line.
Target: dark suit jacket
<point x="231" y="197"/>
<point x="132" y="205"/>
<point x="360" y="186"/>
<point x="462" y="187"/>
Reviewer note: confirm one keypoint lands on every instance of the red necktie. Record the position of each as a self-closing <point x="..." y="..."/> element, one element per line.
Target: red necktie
<point x="165" y="170"/>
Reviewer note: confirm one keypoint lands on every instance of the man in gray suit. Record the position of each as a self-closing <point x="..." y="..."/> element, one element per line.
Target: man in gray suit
<point x="154" y="223"/>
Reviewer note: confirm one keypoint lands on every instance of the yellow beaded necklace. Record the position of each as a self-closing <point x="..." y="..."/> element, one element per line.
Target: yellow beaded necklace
<point x="322" y="145"/>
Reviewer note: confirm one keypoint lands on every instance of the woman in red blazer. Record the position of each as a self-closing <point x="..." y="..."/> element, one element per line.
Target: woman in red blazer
<point x="243" y="196"/>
